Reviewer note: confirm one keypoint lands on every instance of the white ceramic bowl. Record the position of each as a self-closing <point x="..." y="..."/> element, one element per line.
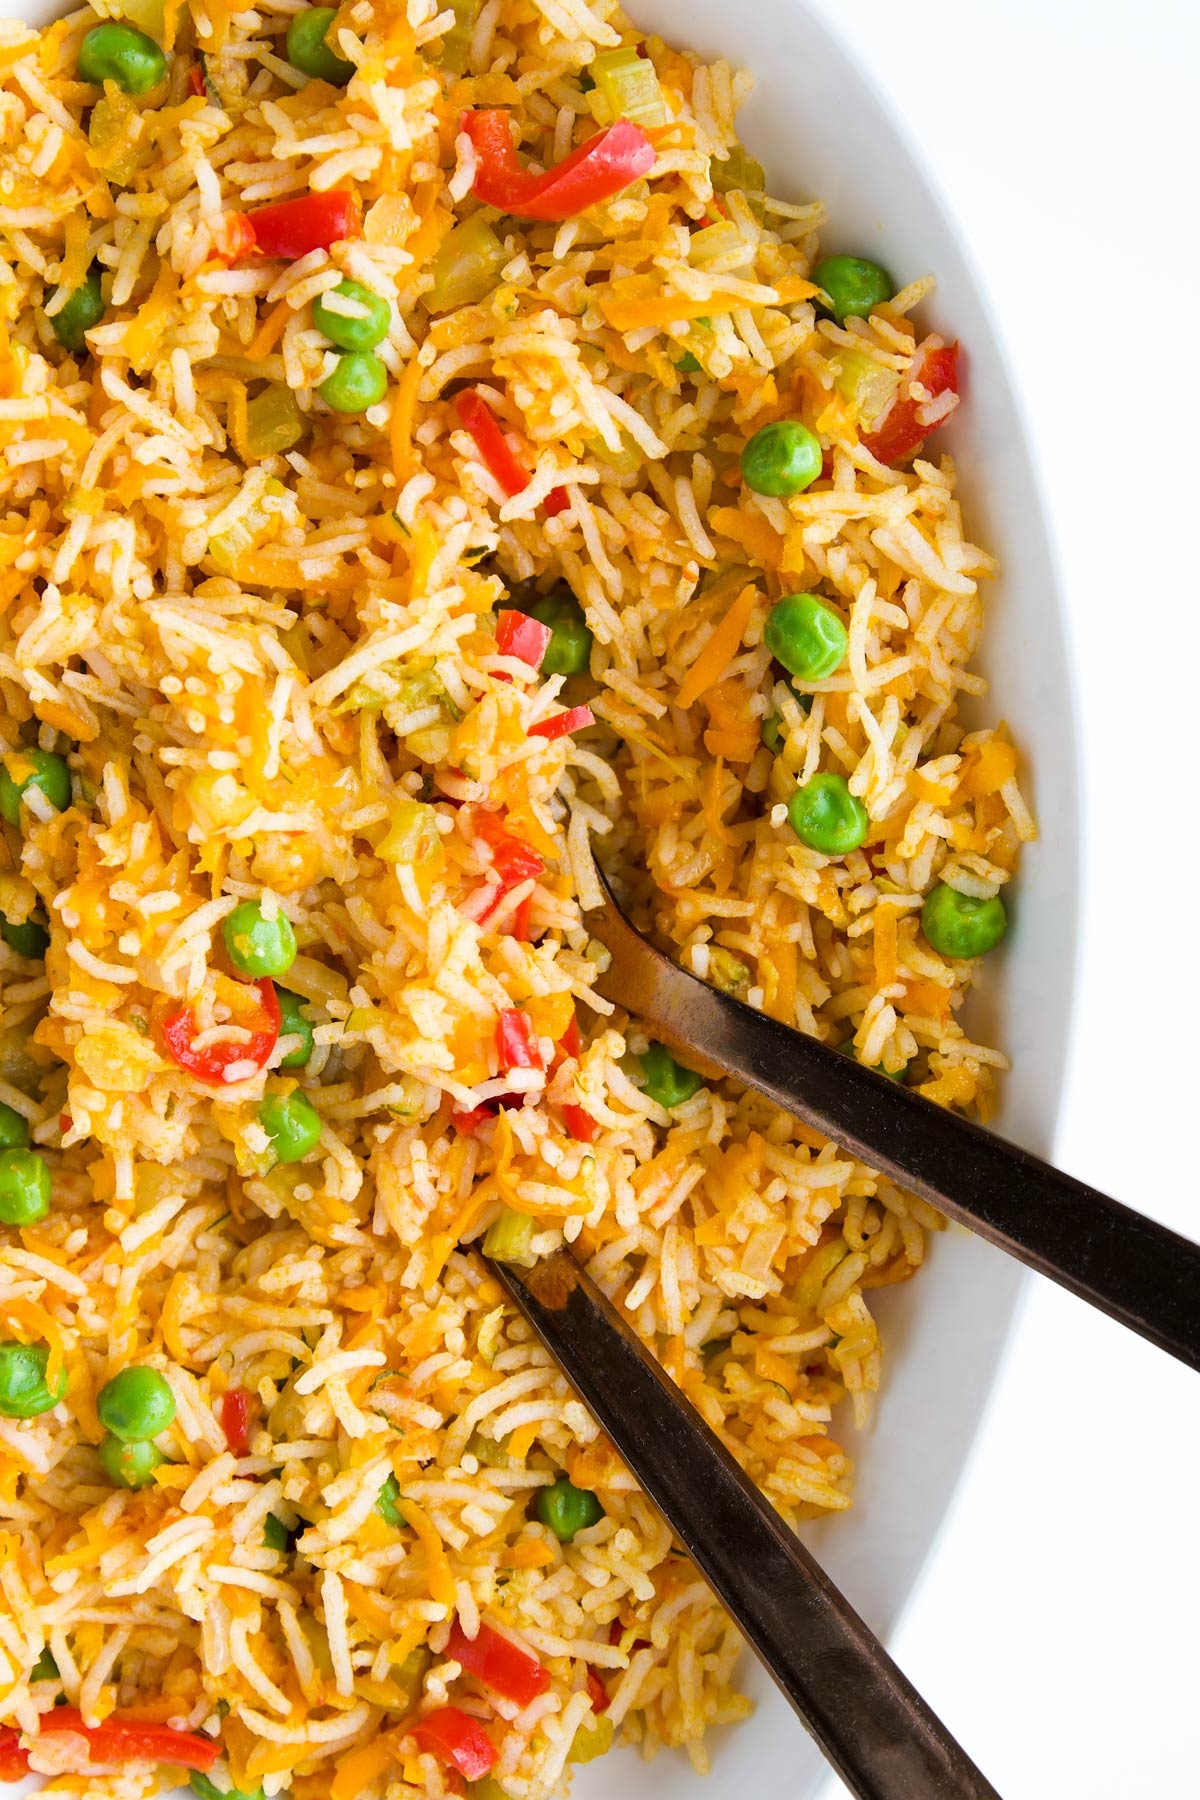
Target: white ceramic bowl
<point x="821" y="131"/>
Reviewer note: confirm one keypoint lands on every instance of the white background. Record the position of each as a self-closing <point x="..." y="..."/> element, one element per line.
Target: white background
<point x="1055" y="1626"/>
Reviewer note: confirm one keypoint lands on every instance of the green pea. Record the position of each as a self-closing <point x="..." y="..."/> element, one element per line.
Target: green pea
<point x="387" y="1504"/>
<point x="40" y="769"/>
<point x="292" y="1023"/>
<point x="567" y="1509"/>
<point x="667" y="1081"/>
<point x="116" y="52"/>
<point x="137" y="1403"/>
<point x="959" y="926"/>
<point x="130" y="1465"/>
<point x="29" y="939"/>
<point x="855" y="286"/>
<point x="781" y="459"/>
<point x="45" y="1668"/>
<point x="358" y="382"/>
<point x="292" y="1123"/>
<point x="569" y="651"/>
<point x="79" y="312"/>
<point x="806" y="636"/>
<point x="24" y="1187"/>
<point x="847" y="1049"/>
<point x="308" y="51"/>
<point x="826" y="816"/>
<point x="14" y="1130"/>
<point x="258" y="945"/>
<point x="23" y="1390"/>
<point x="208" y="1790"/>
<point x="359" y="333"/>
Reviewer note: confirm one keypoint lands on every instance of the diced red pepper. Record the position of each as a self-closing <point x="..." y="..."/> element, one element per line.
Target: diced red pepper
<point x="453" y="1736"/>
<point x="14" y="1762"/>
<point x="126" y="1740"/>
<point x="291" y="229"/>
<point x="581" y="1125"/>
<point x="235" y="1420"/>
<point x="196" y="83"/>
<point x="519" y="924"/>
<point x="525" y="638"/>
<point x="569" y="1043"/>
<point x="235" y="239"/>
<point x="556" y="501"/>
<point x="468" y="1123"/>
<point x="902" y="431"/>
<point x="513" y="860"/>
<point x="516" y="1040"/>
<point x="604" y="166"/>
<point x="258" y="1015"/>
<point x="491" y="442"/>
<point x="574" y="719"/>
<point x="508" y="1668"/>
<point x="597" y="1692"/>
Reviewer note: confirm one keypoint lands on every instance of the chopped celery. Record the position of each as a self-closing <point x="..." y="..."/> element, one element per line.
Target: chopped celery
<point x="727" y="972"/>
<point x="467" y="265"/>
<point x="117" y="136"/>
<point x="456" y="45"/>
<point x="627" y="86"/>
<point x="509" y="1237"/>
<point x="488" y="1451"/>
<point x="736" y="173"/>
<point x="592" y="1739"/>
<point x="274" y="422"/>
<point x="866" y="384"/>
<point x="412" y="836"/>
<point x="247" y="533"/>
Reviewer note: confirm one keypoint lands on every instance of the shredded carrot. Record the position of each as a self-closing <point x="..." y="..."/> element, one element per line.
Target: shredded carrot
<point x="720" y="649"/>
<point x="170" y="1318"/>
<point x="735" y="746"/>
<point x="400" y="426"/>
<point x="521" y="1441"/>
<point x="634" y="302"/>
<point x="441" y="1582"/>
<point x="530" y="1553"/>
<point x="935" y="793"/>
<point x="772" y="1367"/>
<point x="758" y="538"/>
<point x="928" y="999"/>
<point x="988" y="767"/>
<point x="269" y="332"/>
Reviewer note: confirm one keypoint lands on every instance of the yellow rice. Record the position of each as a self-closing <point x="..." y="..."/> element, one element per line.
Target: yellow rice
<point x="254" y="724"/>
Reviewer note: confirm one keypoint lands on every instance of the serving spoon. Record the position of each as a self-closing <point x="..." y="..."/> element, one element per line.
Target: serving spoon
<point x="1128" y="1266"/>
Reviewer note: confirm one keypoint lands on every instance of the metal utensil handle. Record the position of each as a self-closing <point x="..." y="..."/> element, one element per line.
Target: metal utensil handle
<point x="867" y="1718"/>
<point x="1129" y="1266"/>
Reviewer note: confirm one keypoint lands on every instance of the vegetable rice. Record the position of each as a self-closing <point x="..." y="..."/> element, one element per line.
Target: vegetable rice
<point x="381" y="542"/>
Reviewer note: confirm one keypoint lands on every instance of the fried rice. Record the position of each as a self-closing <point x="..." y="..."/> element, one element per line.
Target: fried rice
<point x="274" y="669"/>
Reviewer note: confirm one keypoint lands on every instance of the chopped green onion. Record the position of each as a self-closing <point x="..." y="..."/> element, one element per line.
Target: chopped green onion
<point x="509" y="1237"/>
<point x="627" y="87"/>
<point x="467" y="265"/>
<point x="737" y="173"/>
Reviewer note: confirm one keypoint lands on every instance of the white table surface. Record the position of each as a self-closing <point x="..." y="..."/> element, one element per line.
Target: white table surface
<point x="1055" y="1626"/>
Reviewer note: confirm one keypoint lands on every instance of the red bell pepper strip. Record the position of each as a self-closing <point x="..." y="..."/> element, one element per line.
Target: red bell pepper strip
<point x="574" y="719"/>
<point x="14" y="1762"/>
<point x="597" y="1692"/>
<point x="516" y="1040"/>
<point x="604" y="166"/>
<point x="196" y="83"/>
<point x="902" y="431"/>
<point x="513" y="860"/>
<point x="453" y="1736"/>
<point x="581" y="1125"/>
<point x="490" y="442"/>
<point x="235" y="1420"/>
<point x="468" y="1123"/>
<point x="507" y="1668"/>
<point x="291" y="229"/>
<point x="570" y="1043"/>
<point x="258" y="1015"/>
<point x="126" y="1740"/>
<point x="556" y="501"/>
<point x="525" y="638"/>
<point x="519" y="925"/>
